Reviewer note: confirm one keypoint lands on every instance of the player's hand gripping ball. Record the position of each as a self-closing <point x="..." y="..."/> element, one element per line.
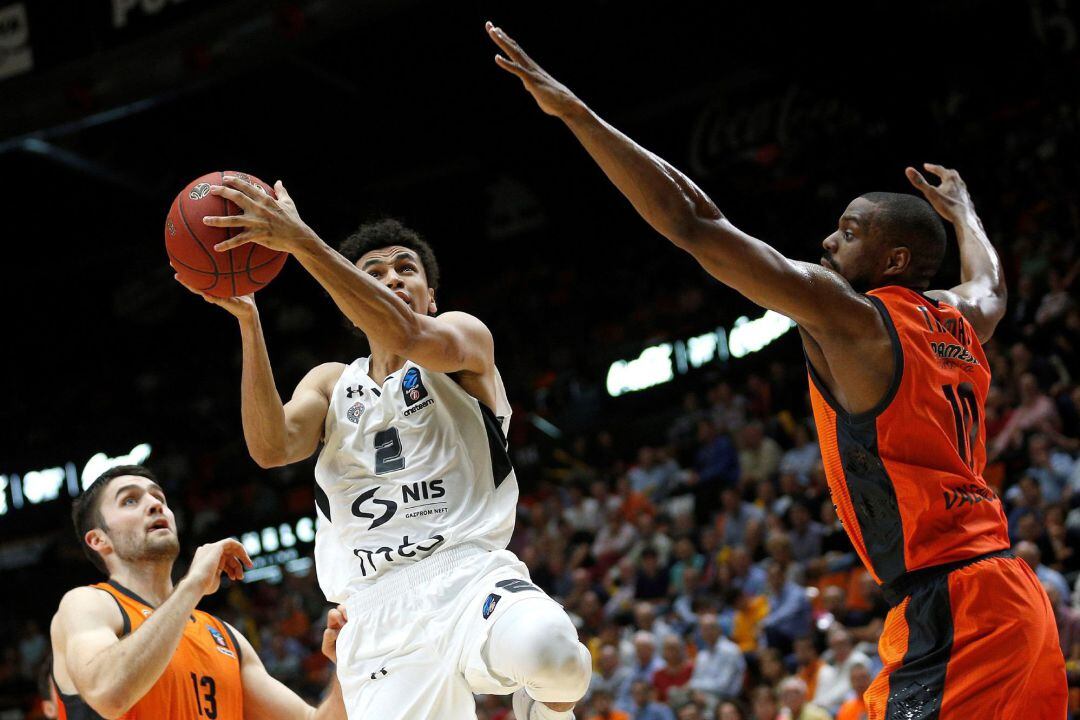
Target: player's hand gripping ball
<point x="190" y="243"/>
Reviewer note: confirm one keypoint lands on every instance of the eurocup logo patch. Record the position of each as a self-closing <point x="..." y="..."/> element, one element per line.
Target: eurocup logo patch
<point x="222" y="646"/>
<point x="412" y="387"/>
<point x="355" y="412"/>
<point x="490" y="603"/>
<point x="218" y="637"/>
<point x="199" y="191"/>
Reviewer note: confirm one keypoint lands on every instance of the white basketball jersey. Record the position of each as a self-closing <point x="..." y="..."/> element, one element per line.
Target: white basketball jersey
<point x="408" y="468"/>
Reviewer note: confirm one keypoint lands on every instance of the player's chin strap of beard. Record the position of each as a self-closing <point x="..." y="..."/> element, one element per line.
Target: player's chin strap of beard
<point x="536" y="645"/>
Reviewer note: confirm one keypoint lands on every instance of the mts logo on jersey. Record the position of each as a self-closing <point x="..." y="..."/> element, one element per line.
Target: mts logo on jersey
<point x="419" y="498"/>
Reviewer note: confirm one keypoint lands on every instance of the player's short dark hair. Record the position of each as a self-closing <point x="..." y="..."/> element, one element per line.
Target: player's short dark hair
<point x="388" y="232"/>
<point x="908" y="220"/>
<point x="86" y="509"/>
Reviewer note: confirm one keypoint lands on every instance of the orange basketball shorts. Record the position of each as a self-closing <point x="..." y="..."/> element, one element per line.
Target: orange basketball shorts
<point x="976" y="643"/>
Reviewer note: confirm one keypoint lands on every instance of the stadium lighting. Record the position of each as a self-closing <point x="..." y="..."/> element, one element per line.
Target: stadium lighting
<point x="652" y="367"/>
<point x="748" y="336"/>
<point x="101" y="462"/>
<point x="659" y="364"/>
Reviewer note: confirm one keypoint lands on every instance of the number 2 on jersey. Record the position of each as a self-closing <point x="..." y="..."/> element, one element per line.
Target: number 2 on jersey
<point x="388" y="451"/>
<point x="966" y="417"/>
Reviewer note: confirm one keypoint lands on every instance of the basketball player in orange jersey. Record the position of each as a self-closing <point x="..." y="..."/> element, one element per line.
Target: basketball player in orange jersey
<point x="898" y="379"/>
<point x="135" y="647"/>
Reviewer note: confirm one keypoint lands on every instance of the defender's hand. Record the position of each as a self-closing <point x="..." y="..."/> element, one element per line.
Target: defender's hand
<point x="271" y="222"/>
<point x="242" y="307"/>
<point x="335" y="620"/>
<point x="225" y="556"/>
<point x="950" y="198"/>
<point x="552" y="96"/>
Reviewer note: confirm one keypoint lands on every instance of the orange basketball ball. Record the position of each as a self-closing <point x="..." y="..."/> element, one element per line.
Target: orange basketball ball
<point x="190" y="243"/>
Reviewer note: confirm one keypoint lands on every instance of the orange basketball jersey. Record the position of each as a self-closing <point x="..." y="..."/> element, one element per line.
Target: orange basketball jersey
<point x="202" y="682"/>
<point x="906" y="476"/>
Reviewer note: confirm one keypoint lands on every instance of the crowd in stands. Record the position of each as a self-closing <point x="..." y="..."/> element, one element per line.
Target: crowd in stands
<point x="705" y="567"/>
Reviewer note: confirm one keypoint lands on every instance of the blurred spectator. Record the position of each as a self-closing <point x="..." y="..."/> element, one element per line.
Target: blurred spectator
<point x="793" y="698"/>
<point x="765" y="704"/>
<point x="643" y="704"/>
<point x="834" y="678"/>
<point x="1029" y="552"/>
<point x="650" y="534"/>
<point x="719" y="668"/>
<point x="717" y="466"/>
<point x="731" y="710"/>
<point x="855" y="707"/>
<point x="759" y="455"/>
<point x="801" y="459"/>
<point x="614" y="538"/>
<point x="1068" y="624"/>
<point x="806" y="533"/>
<point x="654" y="475"/>
<point x="737" y="515"/>
<point x="686" y="557"/>
<point x="646" y="662"/>
<point x="1035" y="410"/>
<point x="1050" y="467"/>
<point x="727" y="408"/>
<point x="652" y="580"/>
<point x="789" y="610"/>
<point x="612" y="677"/>
<point x="603" y="708"/>
<point x="807" y="663"/>
<point x="747" y="614"/>
<point x="676" y="671"/>
<point x="690" y="711"/>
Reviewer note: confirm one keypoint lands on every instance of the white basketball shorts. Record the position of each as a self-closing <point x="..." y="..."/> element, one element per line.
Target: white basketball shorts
<point x="412" y="648"/>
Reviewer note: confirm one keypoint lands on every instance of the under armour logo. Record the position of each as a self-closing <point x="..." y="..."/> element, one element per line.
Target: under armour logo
<point x="354" y="390"/>
<point x="374" y="676"/>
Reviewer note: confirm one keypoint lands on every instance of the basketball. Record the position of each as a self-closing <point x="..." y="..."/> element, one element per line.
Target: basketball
<point x="190" y="243"/>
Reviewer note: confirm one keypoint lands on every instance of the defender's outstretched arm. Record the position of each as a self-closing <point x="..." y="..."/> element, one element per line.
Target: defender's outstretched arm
<point x="813" y="296"/>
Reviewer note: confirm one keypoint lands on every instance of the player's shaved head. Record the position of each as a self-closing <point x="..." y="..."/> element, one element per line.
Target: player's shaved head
<point x="902" y="220"/>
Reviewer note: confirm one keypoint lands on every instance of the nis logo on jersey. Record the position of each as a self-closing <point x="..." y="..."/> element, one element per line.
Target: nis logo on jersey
<point x="418" y="499"/>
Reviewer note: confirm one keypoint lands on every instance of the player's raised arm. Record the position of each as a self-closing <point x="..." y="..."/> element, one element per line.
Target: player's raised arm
<point x="450" y="343"/>
<point x="111" y="674"/>
<point x="266" y="698"/>
<point x="276" y="433"/>
<point x="981" y="294"/>
<point x="815" y="297"/>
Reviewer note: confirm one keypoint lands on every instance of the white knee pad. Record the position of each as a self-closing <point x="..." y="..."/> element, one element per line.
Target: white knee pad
<point x="536" y="645"/>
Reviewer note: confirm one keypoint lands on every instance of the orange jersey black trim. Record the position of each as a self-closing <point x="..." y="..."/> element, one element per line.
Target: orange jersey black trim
<point x="906" y="476"/>
<point x="201" y="682"/>
<point x="970" y="633"/>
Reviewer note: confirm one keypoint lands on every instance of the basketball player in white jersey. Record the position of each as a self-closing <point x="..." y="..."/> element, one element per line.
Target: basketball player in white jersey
<point x="415" y="491"/>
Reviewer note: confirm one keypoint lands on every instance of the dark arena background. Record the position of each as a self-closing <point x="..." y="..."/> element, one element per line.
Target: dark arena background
<point x="631" y="372"/>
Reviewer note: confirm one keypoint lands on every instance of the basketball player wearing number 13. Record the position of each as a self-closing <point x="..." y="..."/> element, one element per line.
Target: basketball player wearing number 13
<point x="898" y="379"/>
<point x="415" y="491"/>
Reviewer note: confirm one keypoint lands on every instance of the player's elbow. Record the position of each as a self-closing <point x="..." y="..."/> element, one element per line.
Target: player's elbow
<point x="688" y="231"/>
<point x="268" y="457"/>
<point x="992" y="311"/>
<point x="110" y="703"/>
